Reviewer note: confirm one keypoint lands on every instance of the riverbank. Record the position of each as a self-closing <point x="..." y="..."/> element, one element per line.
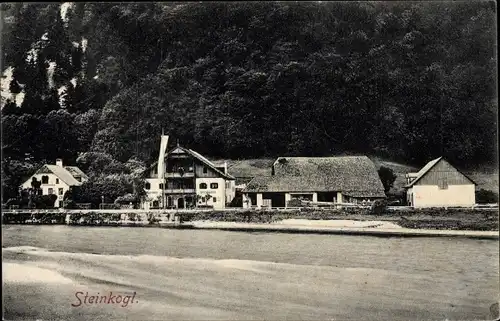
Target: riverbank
<point x="346" y="227"/>
<point x="428" y="219"/>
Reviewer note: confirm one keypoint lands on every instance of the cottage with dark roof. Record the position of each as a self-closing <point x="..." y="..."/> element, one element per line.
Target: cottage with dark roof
<point x="439" y="184"/>
<point x="345" y="179"/>
<point x="57" y="179"/>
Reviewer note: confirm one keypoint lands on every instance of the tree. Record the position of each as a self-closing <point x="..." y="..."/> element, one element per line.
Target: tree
<point x="486" y="197"/>
<point x="387" y="177"/>
<point x="404" y="81"/>
<point x="10" y="108"/>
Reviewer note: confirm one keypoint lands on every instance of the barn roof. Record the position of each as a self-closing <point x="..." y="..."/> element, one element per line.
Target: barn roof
<point x="421" y="173"/>
<point x="352" y="175"/>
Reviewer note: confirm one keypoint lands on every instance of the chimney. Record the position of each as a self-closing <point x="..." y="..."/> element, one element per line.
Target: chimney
<point x="161" y="156"/>
<point x="59" y="162"/>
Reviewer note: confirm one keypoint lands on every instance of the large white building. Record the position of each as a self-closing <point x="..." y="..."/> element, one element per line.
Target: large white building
<point x="439" y="184"/>
<point x="182" y="178"/>
<point x="57" y="179"/>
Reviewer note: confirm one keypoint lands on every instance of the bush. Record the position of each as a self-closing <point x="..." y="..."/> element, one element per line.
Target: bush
<point x="294" y="203"/>
<point x="126" y="199"/>
<point x="70" y="205"/>
<point x="44" y="201"/>
<point x="11" y="202"/>
<point x="486" y="197"/>
<point x="378" y="207"/>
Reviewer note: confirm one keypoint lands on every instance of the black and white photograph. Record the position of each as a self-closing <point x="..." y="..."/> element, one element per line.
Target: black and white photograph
<point x="264" y="160"/>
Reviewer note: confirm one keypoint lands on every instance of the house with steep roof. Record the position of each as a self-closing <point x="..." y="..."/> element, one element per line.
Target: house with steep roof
<point x="183" y="178"/>
<point x="343" y="179"/>
<point x="57" y="179"/>
<point x="440" y="184"/>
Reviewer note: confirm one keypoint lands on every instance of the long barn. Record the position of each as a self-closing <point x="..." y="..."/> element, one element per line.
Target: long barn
<point x="343" y="179"/>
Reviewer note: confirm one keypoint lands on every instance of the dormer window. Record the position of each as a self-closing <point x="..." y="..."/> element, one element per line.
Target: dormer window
<point x="78" y="178"/>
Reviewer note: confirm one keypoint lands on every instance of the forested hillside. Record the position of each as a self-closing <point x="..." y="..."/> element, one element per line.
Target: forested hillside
<point x="406" y="81"/>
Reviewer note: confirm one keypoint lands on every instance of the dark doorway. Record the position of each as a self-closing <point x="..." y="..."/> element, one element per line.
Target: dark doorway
<point x="180" y="203"/>
<point x="277" y="199"/>
<point x="330" y="197"/>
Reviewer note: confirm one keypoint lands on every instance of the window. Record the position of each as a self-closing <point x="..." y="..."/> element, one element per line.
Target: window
<point x="161" y="185"/>
<point x="61" y="191"/>
<point x="78" y="178"/>
<point x="214" y="186"/>
<point x="147" y="186"/>
<point x="57" y="180"/>
<point x="214" y="199"/>
<point x="443" y="183"/>
<point x="203" y="199"/>
<point x="51" y="191"/>
<point x="203" y="186"/>
<point x="45" y="179"/>
<point x="205" y="170"/>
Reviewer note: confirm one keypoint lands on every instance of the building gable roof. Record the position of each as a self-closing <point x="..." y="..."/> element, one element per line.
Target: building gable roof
<point x="62" y="173"/>
<point x="75" y="171"/>
<point x="427" y="168"/>
<point x="198" y="157"/>
<point x="352" y="175"/>
<point x="209" y="163"/>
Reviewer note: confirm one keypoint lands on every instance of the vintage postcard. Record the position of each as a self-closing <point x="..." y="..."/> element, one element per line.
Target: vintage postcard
<point x="269" y="160"/>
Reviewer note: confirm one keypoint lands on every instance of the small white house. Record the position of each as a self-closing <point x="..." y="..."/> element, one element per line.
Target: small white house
<point x="439" y="184"/>
<point x="57" y="179"/>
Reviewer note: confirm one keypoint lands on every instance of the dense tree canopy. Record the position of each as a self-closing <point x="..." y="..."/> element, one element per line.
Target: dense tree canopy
<point x="407" y="81"/>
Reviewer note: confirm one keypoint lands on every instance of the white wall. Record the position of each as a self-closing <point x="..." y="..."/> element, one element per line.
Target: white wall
<point x="259" y="200"/>
<point x="52" y="184"/>
<point x="219" y="193"/>
<point x="247" y="202"/>
<point x="230" y="190"/>
<point x="454" y="195"/>
<point x="154" y="193"/>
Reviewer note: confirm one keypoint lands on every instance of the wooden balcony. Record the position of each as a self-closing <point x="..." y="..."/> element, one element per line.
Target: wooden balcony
<point x="178" y="175"/>
<point x="179" y="191"/>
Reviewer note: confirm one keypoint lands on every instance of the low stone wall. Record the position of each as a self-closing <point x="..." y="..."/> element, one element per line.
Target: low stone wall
<point x="455" y="219"/>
